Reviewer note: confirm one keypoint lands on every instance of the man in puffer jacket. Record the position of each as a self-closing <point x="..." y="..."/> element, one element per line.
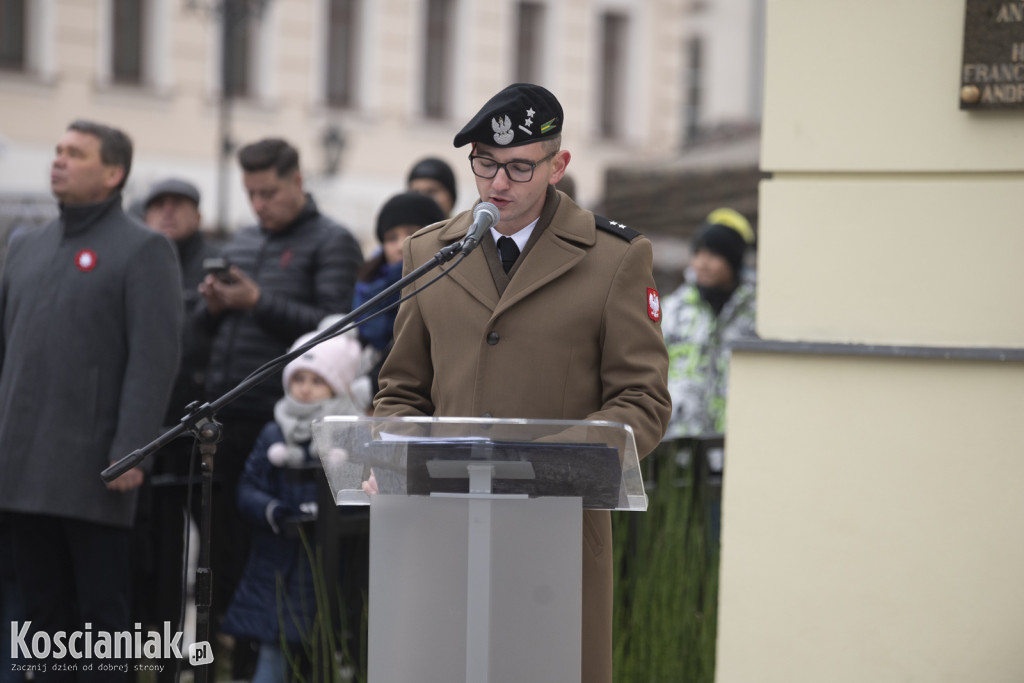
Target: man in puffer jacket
<point x="287" y="273"/>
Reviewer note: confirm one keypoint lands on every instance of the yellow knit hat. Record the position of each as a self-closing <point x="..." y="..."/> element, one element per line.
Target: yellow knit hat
<point x="733" y="219"/>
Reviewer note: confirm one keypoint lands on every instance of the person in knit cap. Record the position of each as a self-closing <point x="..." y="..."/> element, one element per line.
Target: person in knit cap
<point x="434" y="178"/>
<point x="276" y="492"/>
<point x="714" y="308"/>
<point x="401" y="216"/>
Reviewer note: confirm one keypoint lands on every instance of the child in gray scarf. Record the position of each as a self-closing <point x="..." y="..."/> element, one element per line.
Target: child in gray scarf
<point x="276" y="492"/>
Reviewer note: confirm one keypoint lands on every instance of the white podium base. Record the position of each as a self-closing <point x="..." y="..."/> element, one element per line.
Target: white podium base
<point x="476" y="590"/>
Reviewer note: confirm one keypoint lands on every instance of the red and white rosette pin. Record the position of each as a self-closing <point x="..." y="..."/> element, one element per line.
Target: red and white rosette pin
<point x="85" y="260"/>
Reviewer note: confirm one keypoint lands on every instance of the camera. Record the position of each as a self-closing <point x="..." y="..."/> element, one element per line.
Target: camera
<point x="219" y="267"/>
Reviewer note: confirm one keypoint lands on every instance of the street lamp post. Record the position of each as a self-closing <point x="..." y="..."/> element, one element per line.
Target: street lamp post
<point x="333" y="141"/>
<point x="230" y="15"/>
<point x="234" y="16"/>
<point x="233" y="13"/>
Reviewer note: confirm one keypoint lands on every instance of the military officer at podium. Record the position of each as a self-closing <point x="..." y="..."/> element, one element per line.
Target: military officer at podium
<point x="555" y="316"/>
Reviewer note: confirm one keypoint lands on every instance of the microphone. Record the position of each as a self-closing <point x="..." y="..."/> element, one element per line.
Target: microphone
<point x="485" y="216"/>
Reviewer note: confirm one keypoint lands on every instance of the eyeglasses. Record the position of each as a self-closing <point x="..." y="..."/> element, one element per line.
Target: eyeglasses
<point x="517" y="170"/>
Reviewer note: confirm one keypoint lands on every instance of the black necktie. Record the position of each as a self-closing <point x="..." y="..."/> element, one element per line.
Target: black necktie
<point x="509" y="252"/>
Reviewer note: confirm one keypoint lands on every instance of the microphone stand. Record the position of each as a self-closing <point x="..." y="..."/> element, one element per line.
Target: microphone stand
<point x="201" y="423"/>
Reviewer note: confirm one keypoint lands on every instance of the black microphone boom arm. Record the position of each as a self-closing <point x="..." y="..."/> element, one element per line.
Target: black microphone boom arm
<point x="196" y="415"/>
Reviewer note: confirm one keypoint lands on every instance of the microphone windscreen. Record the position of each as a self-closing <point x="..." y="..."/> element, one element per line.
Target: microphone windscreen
<point x="492" y="213"/>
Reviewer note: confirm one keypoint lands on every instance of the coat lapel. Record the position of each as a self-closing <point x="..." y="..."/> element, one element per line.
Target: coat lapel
<point x="560" y="247"/>
<point x="472" y="274"/>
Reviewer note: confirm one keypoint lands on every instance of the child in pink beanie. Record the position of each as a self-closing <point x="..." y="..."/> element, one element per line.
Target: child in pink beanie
<point x="317" y="383"/>
<point x="278" y="490"/>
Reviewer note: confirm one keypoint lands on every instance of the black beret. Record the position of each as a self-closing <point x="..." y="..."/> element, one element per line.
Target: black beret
<point x="435" y="169"/>
<point x="518" y="115"/>
<point x="408" y="208"/>
<point x="175" y="186"/>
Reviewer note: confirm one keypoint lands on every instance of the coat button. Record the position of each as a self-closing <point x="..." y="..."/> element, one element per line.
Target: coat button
<point x="492" y="338"/>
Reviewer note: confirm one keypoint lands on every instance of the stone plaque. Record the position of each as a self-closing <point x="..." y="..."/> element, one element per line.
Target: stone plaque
<point x="992" y="75"/>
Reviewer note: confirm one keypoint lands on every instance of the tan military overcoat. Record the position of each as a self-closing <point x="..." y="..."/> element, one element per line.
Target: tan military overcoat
<point x="574" y="336"/>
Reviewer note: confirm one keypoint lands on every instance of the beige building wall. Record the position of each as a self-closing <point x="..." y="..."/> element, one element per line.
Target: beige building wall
<point x="871" y="521"/>
<point x="174" y="119"/>
<point x="731" y="34"/>
<point x="871" y="507"/>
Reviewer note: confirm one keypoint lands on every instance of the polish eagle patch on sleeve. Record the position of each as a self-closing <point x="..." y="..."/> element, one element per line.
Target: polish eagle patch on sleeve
<point x="653" y="304"/>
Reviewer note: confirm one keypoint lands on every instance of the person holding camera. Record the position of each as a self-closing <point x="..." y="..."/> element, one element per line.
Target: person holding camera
<point x="283" y="275"/>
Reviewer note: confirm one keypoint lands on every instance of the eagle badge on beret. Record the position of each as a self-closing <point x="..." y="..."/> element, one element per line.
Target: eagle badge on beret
<point x="503" y="132"/>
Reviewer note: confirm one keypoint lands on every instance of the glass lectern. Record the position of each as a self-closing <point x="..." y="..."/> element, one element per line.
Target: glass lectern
<point x="476" y="537"/>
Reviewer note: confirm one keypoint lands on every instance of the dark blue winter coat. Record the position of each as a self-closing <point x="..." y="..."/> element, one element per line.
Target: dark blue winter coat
<point x="380" y="331"/>
<point x="255" y="610"/>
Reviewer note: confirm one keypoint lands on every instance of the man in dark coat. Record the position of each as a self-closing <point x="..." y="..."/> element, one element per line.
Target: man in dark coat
<point x="91" y="326"/>
<point x="287" y="273"/>
<point x="171" y="207"/>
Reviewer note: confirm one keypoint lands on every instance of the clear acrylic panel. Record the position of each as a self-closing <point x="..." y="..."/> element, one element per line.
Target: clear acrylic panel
<point x="594" y="460"/>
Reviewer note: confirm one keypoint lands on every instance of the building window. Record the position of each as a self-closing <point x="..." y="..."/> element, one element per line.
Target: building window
<point x="613" y="72"/>
<point x="341" y="52"/>
<point x="239" y="35"/>
<point x="13" y="28"/>
<point x="694" y="88"/>
<point x="438" y="58"/>
<point x="127" y="31"/>
<point x="529" y="42"/>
